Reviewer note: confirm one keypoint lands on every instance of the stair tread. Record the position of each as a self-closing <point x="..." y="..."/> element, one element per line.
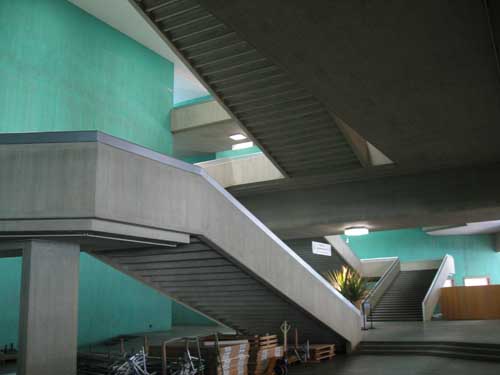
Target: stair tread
<point x="403" y="300"/>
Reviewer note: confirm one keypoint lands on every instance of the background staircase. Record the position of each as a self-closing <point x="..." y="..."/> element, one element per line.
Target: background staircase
<point x="403" y="299"/>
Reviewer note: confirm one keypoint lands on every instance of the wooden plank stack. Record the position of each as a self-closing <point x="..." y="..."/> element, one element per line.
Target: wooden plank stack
<point x="263" y="342"/>
<point x="321" y="352"/>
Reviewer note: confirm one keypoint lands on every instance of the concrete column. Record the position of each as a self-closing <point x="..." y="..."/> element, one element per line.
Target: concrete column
<point x="49" y="308"/>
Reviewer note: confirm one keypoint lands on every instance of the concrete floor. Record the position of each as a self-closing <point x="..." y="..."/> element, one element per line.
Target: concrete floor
<point x="397" y="365"/>
<point x="486" y="331"/>
<point x="474" y="331"/>
<point x="461" y="331"/>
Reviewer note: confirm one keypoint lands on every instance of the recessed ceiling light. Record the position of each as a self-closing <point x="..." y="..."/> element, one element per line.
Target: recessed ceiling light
<point x="238" y="137"/>
<point x="356" y="231"/>
<point x="241" y="146"/>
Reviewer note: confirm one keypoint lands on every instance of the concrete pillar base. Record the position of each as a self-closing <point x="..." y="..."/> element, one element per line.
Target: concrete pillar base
<point x="48" y="325"/>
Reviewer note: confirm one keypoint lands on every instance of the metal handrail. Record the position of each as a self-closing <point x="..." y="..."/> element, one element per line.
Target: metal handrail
<point x="380" y="281"/>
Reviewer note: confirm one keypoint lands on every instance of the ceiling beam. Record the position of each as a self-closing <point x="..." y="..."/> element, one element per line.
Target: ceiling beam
<point x="443" y="197"/>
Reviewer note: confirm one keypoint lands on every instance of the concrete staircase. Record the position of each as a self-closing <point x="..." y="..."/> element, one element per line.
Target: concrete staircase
<point x="168" y="225"/>
<point x="403" y="299"/>
<point x="462" y="350"/>
<point x="202" y="277"/>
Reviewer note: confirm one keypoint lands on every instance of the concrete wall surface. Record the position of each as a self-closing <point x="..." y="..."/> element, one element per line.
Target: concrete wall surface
<point x="376" y="267"/>
<point x="431" y="300"/>
<point x="343" y="249"/>
<point x="48" y="326"/>
<point x="241" y="170"/>
<point x="321" y="263"/>
<point x="201" y="114"/>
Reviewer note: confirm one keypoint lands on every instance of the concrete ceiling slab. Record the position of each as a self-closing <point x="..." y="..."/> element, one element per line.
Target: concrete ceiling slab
<point x="418" y="80"/>
<point x="482" y="227"/>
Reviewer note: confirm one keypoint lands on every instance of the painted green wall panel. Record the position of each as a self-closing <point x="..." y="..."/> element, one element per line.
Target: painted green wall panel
<point x="10" y="292"/>
<point x="110" y="303"/>
<point x="201" y="99"/>
<point x="199" y="158"/>
<point x="222" y="155"/>
<point x="182" y="316"/>
<point x="474" y="255"/>
<point x="63" y="69"/>
<point x="236" y="153"/>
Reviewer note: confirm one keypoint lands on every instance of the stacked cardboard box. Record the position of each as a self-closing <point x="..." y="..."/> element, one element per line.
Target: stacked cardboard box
<point x="262" y="361"/>
<point x="231" y="359"/>
<point x="321" y="352"/>
<point x="262" y="354"/>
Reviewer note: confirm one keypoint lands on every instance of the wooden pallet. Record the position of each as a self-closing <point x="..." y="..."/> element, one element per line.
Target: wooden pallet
<point x="322" y="352"/>
<point x="264" y="342"/>
<point x="256" y="342"/>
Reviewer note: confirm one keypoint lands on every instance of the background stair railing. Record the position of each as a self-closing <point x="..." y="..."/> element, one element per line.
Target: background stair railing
<point x="431" y="299"/>
<point x="382" y="285"/>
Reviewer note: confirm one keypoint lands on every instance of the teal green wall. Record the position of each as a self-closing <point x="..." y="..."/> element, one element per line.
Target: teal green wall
<point x="220" y="155"/>
<point x="199" y="158"/>
<point x="235" y="153"/>
<point x="110" y="303"/>
<point x="182" y="316"/>
<point x="474" y="255"/>
<point x="10" y="288"/>
<point x="123" y="305"/>
<point x="63" y="69"/>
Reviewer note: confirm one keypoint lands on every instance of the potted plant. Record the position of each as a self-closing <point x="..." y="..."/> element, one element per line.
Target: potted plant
<point x="349" y="283"/>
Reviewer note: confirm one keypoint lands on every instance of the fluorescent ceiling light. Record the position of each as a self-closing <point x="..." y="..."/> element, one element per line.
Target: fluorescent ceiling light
<point x="241" y="146"/>
<point x="356" y="231"/>
<point x="238" y="137"/>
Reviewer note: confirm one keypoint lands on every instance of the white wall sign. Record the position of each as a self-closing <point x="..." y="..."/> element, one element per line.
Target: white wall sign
<point x="321" y="248"/>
